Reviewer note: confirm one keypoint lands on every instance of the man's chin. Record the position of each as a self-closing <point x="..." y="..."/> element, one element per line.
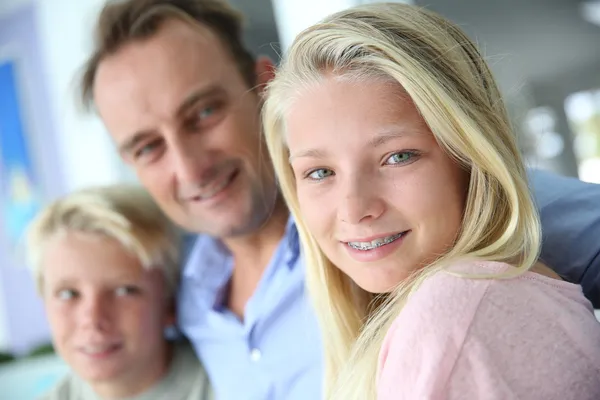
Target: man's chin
<point x="220" y="229"/>
<point x="239" y="218"/>
<point x="232" y="227"/>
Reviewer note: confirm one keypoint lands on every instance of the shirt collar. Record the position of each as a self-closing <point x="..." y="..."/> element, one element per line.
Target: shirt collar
<point x="205" y="252"/>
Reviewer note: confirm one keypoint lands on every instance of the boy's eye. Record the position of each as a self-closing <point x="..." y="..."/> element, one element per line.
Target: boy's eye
<point x="66" y="294"/>
<point x="126" y="290"/>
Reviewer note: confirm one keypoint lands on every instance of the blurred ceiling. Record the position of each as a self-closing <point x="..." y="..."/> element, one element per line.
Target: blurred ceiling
<point x="535" y="41"/>
<point x="538" y="40"/>
<point x="532" y="41"/>
<point x="261" y="31"/>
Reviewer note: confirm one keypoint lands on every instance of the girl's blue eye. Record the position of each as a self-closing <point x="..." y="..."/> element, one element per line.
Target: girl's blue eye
<point x="320" y="174"/>
<point x="399" y="158"/>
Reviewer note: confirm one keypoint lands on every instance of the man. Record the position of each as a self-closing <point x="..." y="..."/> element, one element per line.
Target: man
<point x="106" y="263"/>
<point x="181" y="98"/>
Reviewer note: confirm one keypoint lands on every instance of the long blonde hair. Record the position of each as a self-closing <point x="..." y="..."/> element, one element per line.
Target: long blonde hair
<point x="453" y="89"/>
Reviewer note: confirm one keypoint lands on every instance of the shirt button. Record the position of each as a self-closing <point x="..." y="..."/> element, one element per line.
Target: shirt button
<point x="255" y="355"/>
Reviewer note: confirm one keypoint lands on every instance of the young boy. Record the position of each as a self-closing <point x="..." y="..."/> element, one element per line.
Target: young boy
<point x="106" y="262"/>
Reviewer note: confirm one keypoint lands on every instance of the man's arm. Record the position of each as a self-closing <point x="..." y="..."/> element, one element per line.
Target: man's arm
<point x="570" y="213"/>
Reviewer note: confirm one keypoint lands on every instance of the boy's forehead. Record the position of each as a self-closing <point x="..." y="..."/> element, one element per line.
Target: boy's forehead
<point x="95" y="257"/>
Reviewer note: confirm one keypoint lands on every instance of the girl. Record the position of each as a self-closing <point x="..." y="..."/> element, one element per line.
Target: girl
<point x="394" y="151"/>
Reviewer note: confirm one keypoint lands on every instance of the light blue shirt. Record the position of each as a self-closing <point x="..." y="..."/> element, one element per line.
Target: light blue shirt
<point x="275" y="353"/>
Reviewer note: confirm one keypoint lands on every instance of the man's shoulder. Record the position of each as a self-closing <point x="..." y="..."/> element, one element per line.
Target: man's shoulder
<point x="570" y="226"/>
<point x="549" y="187"/>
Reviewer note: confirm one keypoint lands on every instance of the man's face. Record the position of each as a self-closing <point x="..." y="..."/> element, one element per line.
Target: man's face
<point x="181" y="114"/>
<point x="106" y="312"/>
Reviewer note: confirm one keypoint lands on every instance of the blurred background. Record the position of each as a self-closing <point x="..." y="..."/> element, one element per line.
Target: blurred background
<point x="544" y="53"/>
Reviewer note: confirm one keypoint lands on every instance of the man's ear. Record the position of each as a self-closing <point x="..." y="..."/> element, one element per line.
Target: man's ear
<point x="265" y="72"/>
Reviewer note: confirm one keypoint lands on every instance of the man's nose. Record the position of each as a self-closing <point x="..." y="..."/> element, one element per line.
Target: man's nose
<point x="186" y="162"/>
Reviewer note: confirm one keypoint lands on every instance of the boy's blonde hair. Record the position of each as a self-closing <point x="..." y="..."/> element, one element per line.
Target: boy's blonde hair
<point x="124" y="213"/>
<point x="453" y="89"/>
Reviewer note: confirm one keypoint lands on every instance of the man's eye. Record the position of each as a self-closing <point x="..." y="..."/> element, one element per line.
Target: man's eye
<point x="319" y="174"/>
<point x="66" y="294"/>
<point x="127" y="290"/>
<point x="206" y="112"/>
<point x="205" y="117"/>
<point x="146" y="149"/>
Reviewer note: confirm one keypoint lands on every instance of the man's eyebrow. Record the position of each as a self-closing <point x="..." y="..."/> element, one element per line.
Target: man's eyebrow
<point x="197" y="96"/>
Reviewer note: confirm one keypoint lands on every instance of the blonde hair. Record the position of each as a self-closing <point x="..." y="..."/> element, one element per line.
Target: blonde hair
<point x="124" y="213"/>
<point x="453" y="89"/>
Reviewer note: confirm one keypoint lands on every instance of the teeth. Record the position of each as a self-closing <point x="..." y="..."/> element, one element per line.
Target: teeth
<point x="215" y="189"/>
<point x="375" y="243"/>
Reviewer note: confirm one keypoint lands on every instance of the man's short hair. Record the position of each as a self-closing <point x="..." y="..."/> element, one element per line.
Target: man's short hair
<point x="126" y="214"/>
<point x="122" y="22"/>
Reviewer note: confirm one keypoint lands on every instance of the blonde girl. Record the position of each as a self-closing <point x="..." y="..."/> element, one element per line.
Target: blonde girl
<point x="394" y="151"/>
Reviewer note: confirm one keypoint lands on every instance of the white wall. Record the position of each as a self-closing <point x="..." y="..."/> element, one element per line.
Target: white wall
<point x="292" y="17"/>
<point x="86" y="151"/>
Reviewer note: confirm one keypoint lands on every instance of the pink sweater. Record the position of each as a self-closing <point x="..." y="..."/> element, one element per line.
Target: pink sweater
<point x="530" y="338"/>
